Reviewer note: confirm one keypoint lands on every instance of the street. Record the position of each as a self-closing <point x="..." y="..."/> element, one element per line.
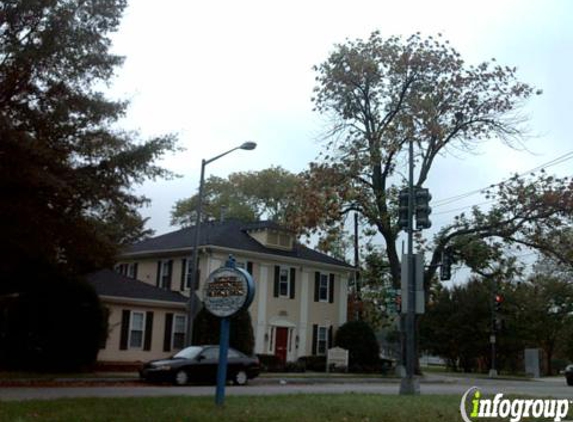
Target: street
<point x="554" y="387"/>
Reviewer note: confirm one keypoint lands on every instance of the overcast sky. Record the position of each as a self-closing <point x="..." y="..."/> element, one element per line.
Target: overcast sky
<point x="219" y="73"/>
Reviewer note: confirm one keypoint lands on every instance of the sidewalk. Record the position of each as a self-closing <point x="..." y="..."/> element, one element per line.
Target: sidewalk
<point x="132" y="379"/>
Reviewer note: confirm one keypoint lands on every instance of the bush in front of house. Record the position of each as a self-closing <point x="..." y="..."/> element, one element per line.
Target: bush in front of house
<point x="313" y="363"/>
<point x="271" y="363"/>
<point x="207" y="329"/>
<point x="54" y="323"/>
<point x="363" y="350"/>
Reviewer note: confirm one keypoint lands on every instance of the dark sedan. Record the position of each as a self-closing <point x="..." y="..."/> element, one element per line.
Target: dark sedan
<point x="199" y="364"/>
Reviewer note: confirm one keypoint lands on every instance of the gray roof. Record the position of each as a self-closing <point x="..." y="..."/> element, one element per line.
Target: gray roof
<point x="109" y="283"/>
<point x="231" y="234"/>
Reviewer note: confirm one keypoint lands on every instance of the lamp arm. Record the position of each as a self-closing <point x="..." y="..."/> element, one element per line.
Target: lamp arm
<point x="220" y="155"/>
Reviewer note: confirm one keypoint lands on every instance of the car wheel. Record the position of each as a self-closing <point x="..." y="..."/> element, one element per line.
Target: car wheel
<point x="569" y="381"/>
<point x="240" y="378"/>
<point x="181" y="377"/>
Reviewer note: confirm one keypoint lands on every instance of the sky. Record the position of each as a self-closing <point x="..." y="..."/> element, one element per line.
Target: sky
<point x="220" y="73"/>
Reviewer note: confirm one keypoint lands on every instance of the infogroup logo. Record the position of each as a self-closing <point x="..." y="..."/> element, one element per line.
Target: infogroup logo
<point x="514" y="409"/>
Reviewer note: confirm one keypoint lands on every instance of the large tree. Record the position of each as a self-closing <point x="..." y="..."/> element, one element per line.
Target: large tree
<point x="380" y="94"/>
<point x="66" y="170"/>
<point x="247" y="196"/>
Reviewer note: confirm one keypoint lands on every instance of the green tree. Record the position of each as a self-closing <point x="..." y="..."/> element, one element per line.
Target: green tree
<point x="358" y="338"/>
<point x="241" y="336"/>
<point x="544" y="307"/>
<point x="66" y="170"/>
<point x="380" y="94"/>
<point x="441" y="332"/>
<point x="246" y="196"/>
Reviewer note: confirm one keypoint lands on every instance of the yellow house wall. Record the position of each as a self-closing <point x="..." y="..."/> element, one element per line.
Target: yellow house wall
<point x="112" y="352"/>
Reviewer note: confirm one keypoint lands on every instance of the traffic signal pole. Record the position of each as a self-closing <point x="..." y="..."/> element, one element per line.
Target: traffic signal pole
<point x="409" y="384"/>
<point x="493" y="337"/>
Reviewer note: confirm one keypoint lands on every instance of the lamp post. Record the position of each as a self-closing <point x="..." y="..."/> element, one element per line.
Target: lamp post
<point x="192" y="304"/>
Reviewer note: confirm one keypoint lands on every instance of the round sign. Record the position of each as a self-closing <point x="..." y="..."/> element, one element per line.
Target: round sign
<point x="227" y="291"/>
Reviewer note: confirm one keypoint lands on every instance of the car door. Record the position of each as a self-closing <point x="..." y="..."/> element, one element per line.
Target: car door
<point x="207" y="364"/>
<point x="234" y="363"/>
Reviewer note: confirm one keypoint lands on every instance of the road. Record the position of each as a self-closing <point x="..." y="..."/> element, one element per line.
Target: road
<point x="554" y="387"/>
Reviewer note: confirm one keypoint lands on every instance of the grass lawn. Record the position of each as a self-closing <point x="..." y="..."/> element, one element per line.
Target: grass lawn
<point x="294" y="408"/>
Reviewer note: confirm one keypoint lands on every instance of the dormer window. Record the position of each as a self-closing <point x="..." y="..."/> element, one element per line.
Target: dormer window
<point x="273" y="236"/>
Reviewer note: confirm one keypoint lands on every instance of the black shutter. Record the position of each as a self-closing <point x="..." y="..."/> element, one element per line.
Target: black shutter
<point x="169" y="274"/>
<point x="277" y="275"/>
<point x="331" y="289"/>
<point x="330" y="339"/>
<point x="148" y="331"/>
<point x="167" y="334"/>
<point x="316" y="286"/>
<point x="135" y="270"/>
<point x="292" y="282"/>
<point x="124" y="329"/>
<point x="250" y="267"/>
<point x="158" y="281"/>
<point x="183" y="273"/>
<point x="314" y="338"/>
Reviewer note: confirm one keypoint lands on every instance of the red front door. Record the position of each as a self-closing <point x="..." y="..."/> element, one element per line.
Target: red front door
<point x="281" y="343"/>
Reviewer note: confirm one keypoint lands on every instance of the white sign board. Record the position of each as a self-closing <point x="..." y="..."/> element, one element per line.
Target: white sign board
<point x="337" y="357"/>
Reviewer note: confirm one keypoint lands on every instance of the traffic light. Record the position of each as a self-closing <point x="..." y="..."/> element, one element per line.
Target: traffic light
<point x="404" y="200"/>
<point x="498" y="300"/>
<point x="423" y="209"/>
<point x="446" y="267"/>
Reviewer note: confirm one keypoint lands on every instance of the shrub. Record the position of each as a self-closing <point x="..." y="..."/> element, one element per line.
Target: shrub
<point x="312" y="363"/>
<point x="58" y="324"/>
<point x="270" y="363"/>
<point x="358" y="338"/>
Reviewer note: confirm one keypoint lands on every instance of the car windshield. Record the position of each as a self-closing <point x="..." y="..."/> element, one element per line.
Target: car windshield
<point x="188" y="352"/>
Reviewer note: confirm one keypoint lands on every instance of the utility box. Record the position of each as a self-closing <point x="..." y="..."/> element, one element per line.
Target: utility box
<point x="532" y="359"/>
<point x="418" y="283"/>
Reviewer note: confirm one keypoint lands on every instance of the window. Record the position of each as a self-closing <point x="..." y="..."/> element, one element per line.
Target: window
<point x="132" y="270"/>
<point x="323" y="288"/>
<point x="189" y="272"/>
<point x="211" y="353"/>
<point x="137" y="322"/>
<point x="322" y="340"/>
<point x="128" y="270"/>
<point x="179" y="323"/>
<point x="284" y="282"/>
<point x="245" y="265"/>
<point x="164" y="272"/>
<point x="284" y="285"/>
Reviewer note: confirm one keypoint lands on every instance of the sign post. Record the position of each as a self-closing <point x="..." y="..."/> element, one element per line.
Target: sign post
<point x="228" y="290"/>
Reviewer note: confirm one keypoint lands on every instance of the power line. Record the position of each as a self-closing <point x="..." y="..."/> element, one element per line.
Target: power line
<point x="561" y="159"/>
<point x="462" y="208"/>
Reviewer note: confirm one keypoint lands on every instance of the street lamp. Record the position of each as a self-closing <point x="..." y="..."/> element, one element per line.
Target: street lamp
<point x="192" y="304"/>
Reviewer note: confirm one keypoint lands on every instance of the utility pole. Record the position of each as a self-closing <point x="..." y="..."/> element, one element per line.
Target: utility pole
<point x="357" y="270"/>
<point x="409" y="384"/>
<point x="495" y="303"/>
